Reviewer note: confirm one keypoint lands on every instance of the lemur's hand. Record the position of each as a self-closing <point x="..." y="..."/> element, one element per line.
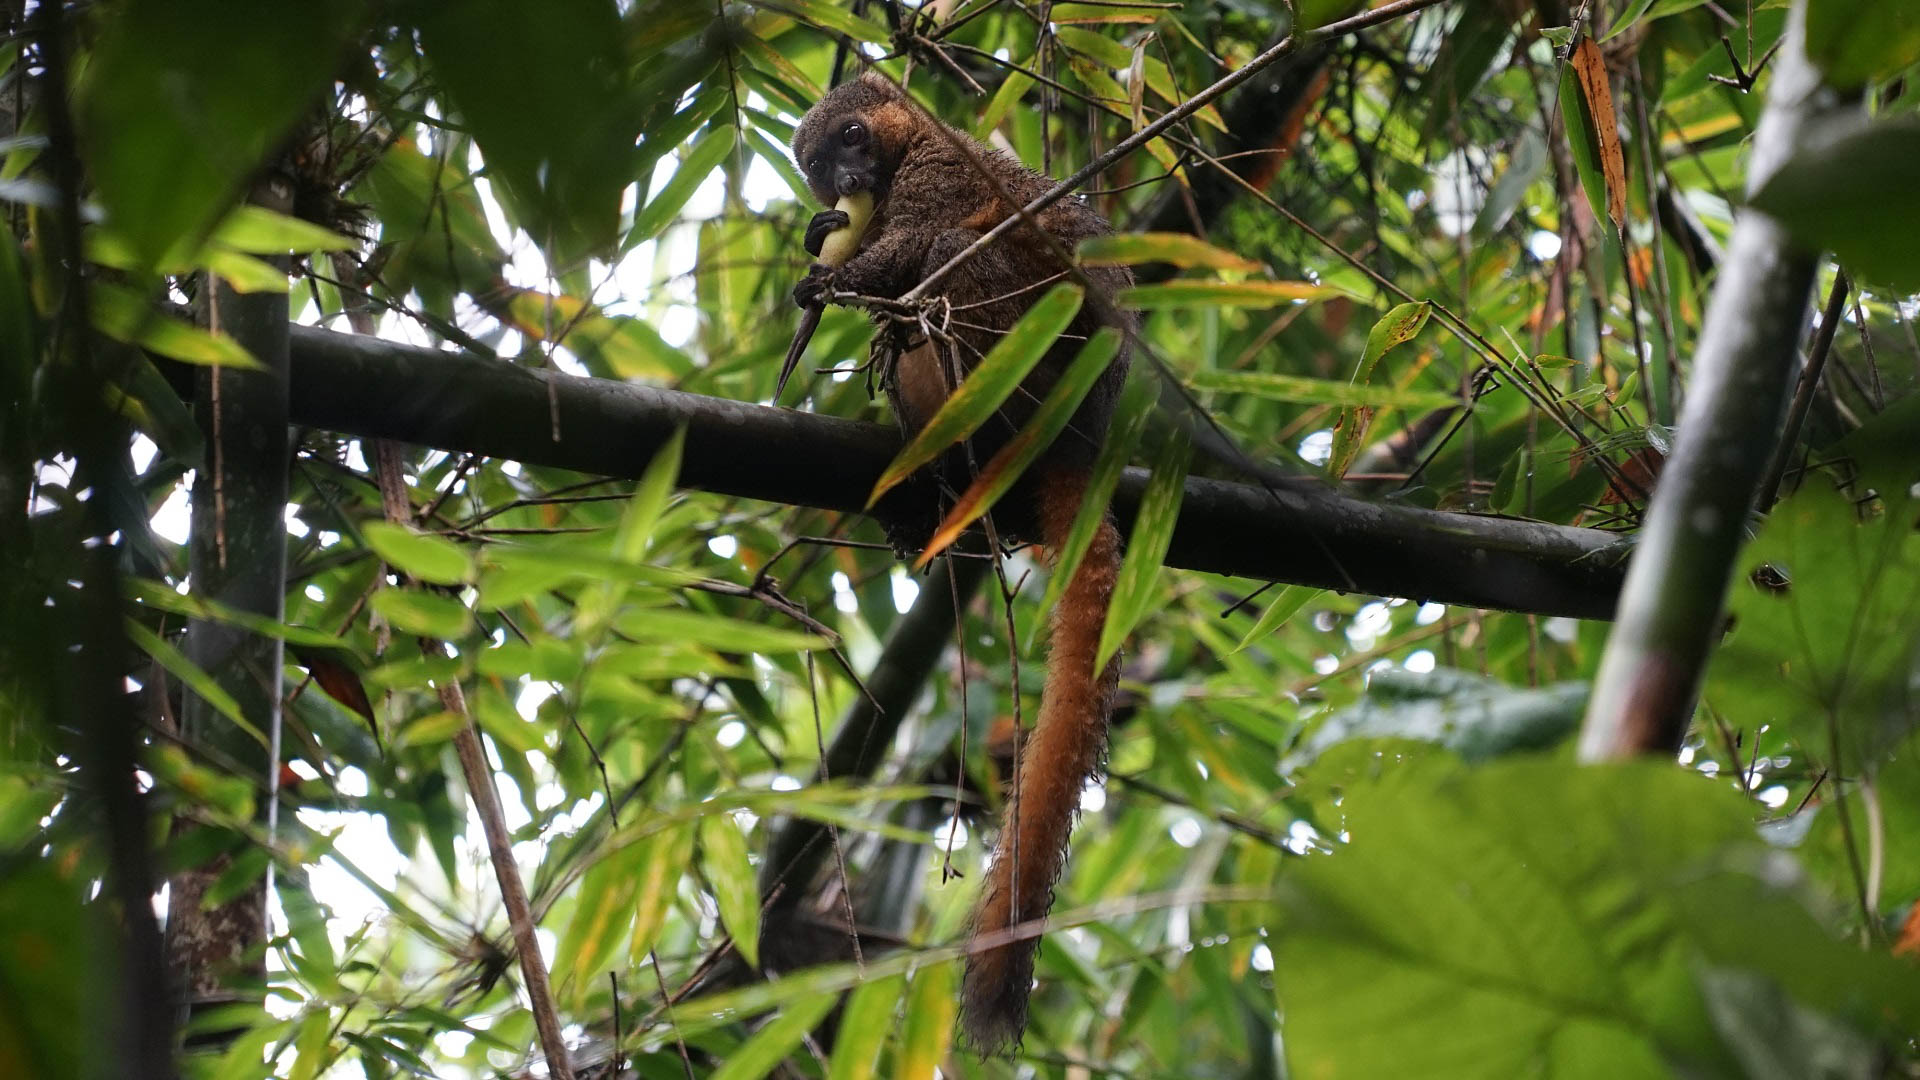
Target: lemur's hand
<point x="811" y="290"/>
<point x="824" y="222"/>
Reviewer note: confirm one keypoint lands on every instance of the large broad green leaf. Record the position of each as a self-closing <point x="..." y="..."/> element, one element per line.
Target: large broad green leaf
<point x="52" y="969"/>
<point x="545" y="90"/>
<point x="1826" y="626"/>
<point x="184" y="100"/>
<point x="1542" y="919"/>
<point x="1855" y="42"/>
<point x="1473" y="716"/>
<point x="1853" y="196"/>
<point x="987" y="385"/>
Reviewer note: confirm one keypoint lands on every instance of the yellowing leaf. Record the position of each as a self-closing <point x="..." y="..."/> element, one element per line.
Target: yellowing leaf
<point x="1396" y="327"/>
<point x="1247" y="294"/>
<point x="1591" y="69"/>
<point x="1180" y="249"/>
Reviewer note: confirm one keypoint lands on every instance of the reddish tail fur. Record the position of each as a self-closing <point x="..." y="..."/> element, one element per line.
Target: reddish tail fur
<point x="1067" y="747"/>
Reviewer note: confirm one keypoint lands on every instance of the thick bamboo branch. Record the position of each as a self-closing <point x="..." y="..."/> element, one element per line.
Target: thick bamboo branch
<point x="1744" y="366"/>
<point x="458" y="402"/>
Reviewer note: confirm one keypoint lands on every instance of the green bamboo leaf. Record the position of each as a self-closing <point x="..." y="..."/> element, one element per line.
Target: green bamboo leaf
<point x="864" y="1027"/>
<point x="431" y="730"/>
<point x="771" y="153"/>
<point x="1306" y="391"/>
<point x="1214" y="294"/>
<point x="693" y="170"/>
<point x="931" y="1007"/>
<point x="1283" y="606"/>
<point x="1856" y="42"/>
<point x="1012" y="89"/>
<point x="123" y="315"/>
<point x="153" y="594"/>
<point x="664" y="859"/>
<point x="1134" y="592"/>
<point x="718" y="631"/>
<point x="1397" y="327"/>
<point x="427" y="614"/>
<point x="766" y="56"/>
<point x="634" y="533"/>
<point x="1123" y="434"/>
<point x="828" y="16"/>
<point x="1180" y="249"/>
<point x="602" y="914"/>
<point x="260" y="231"/>
<point x="193" y="675"/>
<point x="425" y="556"/>
<point x="989" y="384"/>
<point x="763" y="1053"/>
<point x="723" y="857"/>
<point x="1012" y="460"/>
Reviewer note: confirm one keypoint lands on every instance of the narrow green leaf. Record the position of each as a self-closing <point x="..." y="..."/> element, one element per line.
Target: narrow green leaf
<point x="1123" y="435"/>
<point x="693" y="170"/>
<point x="260" y="231"/>
<point x="723" y="856"/>
<point x="427" y="614"/>
<point x="425" y="556"/>
<point x="193" y="675"/>
<point x="121" y="314"/>
<point x="1186" y="293"/>
<point x="1012" y="89"/>
<point x="864" y="1027"/>
<point x="1180" y="249"/>
<point x="766" y="56"/>
<point x="932" y="1004"/>
<point x="828" y="16"/>
<point x="665" y="858"/>
<point x="155" y="595"/>
<point x="1396" y="327"/>
<point x="989" y="384"/>
<point x="649" y="499"/>
<point x="718" y="631"/>
<point x="1134" y="592"/>
<point x="1012" y="460"/>
<point x="760" y="1055"/>
<point x="1306" y="391"/>
<point x="1285" y="604"/>
<point x="602" y="914"/>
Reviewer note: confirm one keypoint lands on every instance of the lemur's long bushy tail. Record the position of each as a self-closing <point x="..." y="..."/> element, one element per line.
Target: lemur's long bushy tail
<point x="1067" y="747"/>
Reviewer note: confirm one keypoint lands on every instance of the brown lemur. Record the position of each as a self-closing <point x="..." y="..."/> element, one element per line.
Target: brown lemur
<point x="930" y="200"/>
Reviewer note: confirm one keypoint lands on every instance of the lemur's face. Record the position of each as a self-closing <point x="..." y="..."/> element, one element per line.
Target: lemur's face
<point x="842" y="162"/>
<point x="853" y="139"/>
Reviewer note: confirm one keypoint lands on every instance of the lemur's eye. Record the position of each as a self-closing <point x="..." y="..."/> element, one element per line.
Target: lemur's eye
<point x="853" y="134"/>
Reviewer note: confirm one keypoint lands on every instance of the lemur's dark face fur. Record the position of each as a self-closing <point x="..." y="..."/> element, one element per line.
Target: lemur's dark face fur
<point x="852" y="141"/>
